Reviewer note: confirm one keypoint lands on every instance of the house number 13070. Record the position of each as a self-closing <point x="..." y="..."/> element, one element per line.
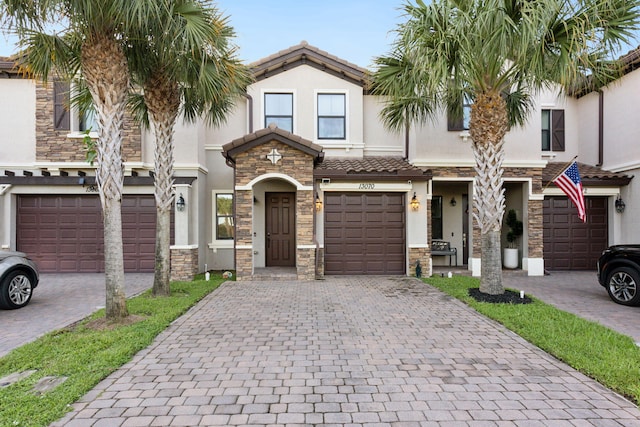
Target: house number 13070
<point x="367" y="186"/>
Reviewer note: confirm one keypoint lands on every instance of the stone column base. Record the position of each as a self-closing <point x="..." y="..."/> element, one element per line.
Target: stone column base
<point x="184" y="263"/>
<point x="244" y="264"/>
<point x="306" y="263"/>
<point x="422" y="255"/>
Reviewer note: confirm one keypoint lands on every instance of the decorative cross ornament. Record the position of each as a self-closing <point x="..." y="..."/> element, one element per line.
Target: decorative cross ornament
<point x="274" y="156"/>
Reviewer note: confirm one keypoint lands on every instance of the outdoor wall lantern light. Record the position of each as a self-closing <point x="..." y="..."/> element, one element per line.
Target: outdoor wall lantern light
<point x="415" y="203"/>
<point x="180" y="204"/>
<point x="453" y="201"/>
<point x="620" y="204"/>
<point x="318" y="203"/>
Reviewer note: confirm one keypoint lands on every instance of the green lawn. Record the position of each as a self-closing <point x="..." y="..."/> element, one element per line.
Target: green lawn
<point x="610" y="358"/>
<point x="86" y="356"/>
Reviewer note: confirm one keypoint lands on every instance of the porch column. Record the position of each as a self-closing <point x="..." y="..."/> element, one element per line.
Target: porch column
<point x="535" y="261"/>
<point x="305" y="248"/>
<point x="184" y="255"/>
<point x="244" y="237"/>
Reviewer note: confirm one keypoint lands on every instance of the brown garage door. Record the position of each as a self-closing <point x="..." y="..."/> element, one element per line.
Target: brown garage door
<point x="570" y="244"/>
<point x="364" y="233"/>
<point x="65" y="233"/>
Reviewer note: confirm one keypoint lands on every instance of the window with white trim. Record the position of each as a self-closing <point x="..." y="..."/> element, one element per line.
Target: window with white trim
<point x="67" y="117"/>
<point x="552" y="130"/>
<point x="461" y="123"/>
<point x="278" y="109"/>
<point x="332" y="120"/>
<point x="224" y="224"/>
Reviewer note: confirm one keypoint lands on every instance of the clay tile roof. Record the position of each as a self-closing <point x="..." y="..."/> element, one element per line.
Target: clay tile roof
<point x="631" y="60"/>
<point x="7" y="64"/>
<point x="590" y="175"/>
<point x="377" y="167"/>
<point x="262" y="136"/>
<point x="305" y="54"/>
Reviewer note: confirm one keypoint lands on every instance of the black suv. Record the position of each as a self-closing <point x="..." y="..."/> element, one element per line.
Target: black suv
<point x="619" y="273"/>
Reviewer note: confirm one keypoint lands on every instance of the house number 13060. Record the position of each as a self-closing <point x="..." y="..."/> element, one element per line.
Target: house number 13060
<point x="367" y="186"/>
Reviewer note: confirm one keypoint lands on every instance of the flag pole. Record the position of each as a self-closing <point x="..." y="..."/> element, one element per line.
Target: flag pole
<point x="560" y="173"/>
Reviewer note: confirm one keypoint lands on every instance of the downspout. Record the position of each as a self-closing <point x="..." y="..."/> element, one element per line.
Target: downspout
<point x="250" y="112"/>
<point x="600" y="128"/>
<point x="406" y="141"/>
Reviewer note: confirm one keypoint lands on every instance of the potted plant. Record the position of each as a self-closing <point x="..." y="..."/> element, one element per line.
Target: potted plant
<point x="510" y="258"/>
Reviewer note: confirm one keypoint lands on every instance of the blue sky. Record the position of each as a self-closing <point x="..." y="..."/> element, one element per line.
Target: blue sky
<point x="354" y="30"/>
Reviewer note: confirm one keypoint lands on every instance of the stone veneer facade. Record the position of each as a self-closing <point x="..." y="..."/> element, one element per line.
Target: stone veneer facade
<point x="295" y="164"/>
<point x="184" y="264"/>
<point x="56" y="146"/>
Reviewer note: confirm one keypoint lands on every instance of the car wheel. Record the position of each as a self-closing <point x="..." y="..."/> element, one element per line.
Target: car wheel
<point x="15" y="290"/>
<point x="622" y="286"/>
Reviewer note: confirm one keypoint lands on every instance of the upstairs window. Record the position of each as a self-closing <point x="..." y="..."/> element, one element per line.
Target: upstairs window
<point x="224" y="216"/>
<point x="552" y="130"/>
<point x="88" y="121"/>
<point x="278" y="109"/>
<point x="66" y="117"/>
<point x="61" y="101"/>
<point x="461" y="123"/>
<point x="331" y="116"/>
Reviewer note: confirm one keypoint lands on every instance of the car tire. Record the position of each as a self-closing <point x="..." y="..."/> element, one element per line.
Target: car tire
<point x="623" y="285"/>
<point x="15" y="290"/>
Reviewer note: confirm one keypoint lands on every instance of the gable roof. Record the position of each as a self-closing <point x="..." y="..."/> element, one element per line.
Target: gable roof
<point x="262" y="136"/>
<point x="305" y="54"/>
<point x="592" y="176"/>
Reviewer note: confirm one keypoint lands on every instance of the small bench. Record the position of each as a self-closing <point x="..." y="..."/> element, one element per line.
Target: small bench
<point x="442" y="247"/>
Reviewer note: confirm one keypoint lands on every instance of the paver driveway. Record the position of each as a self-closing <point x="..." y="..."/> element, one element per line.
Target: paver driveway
<point x="58" y="301"/>
<point x="366" y="351"/>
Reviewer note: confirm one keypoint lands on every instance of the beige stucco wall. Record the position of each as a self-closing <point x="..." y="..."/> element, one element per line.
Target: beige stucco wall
<point x="18" y="122"/>
<point x="622" y="124"/>
<point x="305" y="83"/>
<point x="433" y="145"/>
<point x="622" y="151"/>
<point x="379" y="141"/>
<point x="588" y="112"/>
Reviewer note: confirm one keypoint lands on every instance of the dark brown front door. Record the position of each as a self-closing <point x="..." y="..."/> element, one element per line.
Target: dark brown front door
<point x="570" y="244"/>
<point x="281" y="229"/>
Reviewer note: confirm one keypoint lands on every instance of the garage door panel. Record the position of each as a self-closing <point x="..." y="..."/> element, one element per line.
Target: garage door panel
<point x="374" y="217"/>
<point x="579" y="233"/>
<point x="353" y="217"/>
<point x="570" y="244"/>
<point x="67" y="234"/>
<point x="364" y="233"/>
<point x="64" y="233"/>
<point x="353" y="200"/>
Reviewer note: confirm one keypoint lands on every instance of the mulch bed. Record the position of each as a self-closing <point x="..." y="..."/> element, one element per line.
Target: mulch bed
<point x="508" y="297"/>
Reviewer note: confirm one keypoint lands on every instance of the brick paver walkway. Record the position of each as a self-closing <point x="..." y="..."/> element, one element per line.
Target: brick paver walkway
<point x="363" y="351"/>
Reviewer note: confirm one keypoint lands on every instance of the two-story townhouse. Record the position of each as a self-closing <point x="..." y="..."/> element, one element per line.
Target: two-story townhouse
<point x="303" y="179"/>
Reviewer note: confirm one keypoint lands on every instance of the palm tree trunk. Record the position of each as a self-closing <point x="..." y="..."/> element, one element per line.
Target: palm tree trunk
<point x="163" y="101"/>
<point x="104" y="68"/>
<point x="487" y="129"/>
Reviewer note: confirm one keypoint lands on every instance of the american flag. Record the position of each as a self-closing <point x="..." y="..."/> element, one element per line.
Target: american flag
<point x="569" y="182"/>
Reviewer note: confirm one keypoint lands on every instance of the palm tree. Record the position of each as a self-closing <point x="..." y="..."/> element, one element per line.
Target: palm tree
<point x="497" y="54"/>
<point x="91" y="46"/>
<point x="187" y="60"/>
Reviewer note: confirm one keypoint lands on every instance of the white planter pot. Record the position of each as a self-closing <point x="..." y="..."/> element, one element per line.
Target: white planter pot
<point x="510" y="258"/>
